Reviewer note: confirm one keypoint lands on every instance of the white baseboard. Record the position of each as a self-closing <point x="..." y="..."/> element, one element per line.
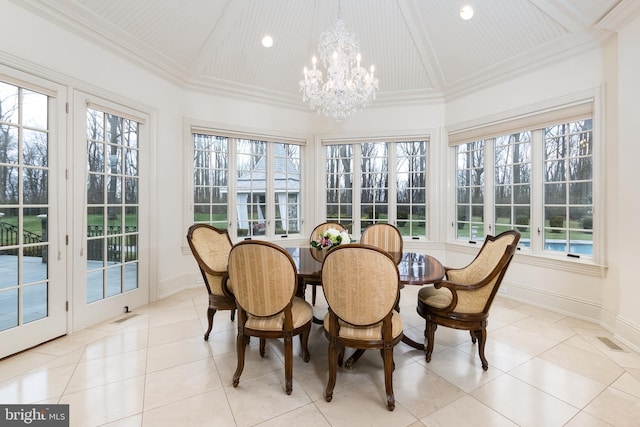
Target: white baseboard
<point x="627" y="332"/>
<point x="177" y="284"/>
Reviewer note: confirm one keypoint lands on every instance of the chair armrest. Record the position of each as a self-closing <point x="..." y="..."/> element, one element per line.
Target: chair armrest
<point x="455" y="286"/>
<point x="225" y="288"/>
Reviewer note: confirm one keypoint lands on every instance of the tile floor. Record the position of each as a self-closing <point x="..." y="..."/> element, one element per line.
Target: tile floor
<point x="154" y="369"/>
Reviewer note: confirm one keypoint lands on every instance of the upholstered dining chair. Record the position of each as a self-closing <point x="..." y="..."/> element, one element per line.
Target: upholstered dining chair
<point x="210" y="247"/>
<point x="264" y="281"/>
<point x="321" y="228"/>
<point x="463" y="298"/>
<point x="361" y="285"/>
<point x="384" y="236"/>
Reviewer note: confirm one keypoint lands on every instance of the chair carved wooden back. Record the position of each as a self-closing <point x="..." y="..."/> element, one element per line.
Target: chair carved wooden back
<point x="384" y="236"/>
<point x="463" y="298"/>
<point x="264" y="281"/>
<point x="210" y="247"/>
<point x="361" y="285"/>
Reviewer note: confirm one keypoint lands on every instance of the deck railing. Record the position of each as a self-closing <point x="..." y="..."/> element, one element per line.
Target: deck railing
<point x="95" y="248"/>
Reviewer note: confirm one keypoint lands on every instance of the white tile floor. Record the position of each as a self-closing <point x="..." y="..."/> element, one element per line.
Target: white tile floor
<point x="154" y="369"/>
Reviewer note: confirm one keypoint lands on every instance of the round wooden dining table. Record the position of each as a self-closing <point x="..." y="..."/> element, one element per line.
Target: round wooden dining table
<point x="415" y="269"/>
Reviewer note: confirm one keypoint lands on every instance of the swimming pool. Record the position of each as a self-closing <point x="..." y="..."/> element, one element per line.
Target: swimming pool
<point x="578" y="247"/>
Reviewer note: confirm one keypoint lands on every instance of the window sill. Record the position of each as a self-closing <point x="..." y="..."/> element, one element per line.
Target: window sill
<point x="557" y="262"/>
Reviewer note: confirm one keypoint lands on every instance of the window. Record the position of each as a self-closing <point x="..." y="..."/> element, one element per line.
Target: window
<point x="287" y="188"/>
<point x="210" y="179"/>
<point x="411" y="187"/>
<point x="251" y="179"/>
<point x="359" y="198"/>
<point x="339" y="180"/>
<point x="512" y="182"/>
<point x="264" y="176"/>
<point x="470" y="189"/>
<point x="568" y="187"/>
<point x="538" y="180"/>
<point x="374" y="183"/>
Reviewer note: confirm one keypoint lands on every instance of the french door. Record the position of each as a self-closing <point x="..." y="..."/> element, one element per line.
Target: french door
<point x="73" y="211"/>
<point x="110" y="265"/>
<point x="33" y="290"/>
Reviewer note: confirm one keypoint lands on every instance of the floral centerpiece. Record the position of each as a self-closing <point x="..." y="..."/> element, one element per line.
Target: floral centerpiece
<point x="330" y="238"/>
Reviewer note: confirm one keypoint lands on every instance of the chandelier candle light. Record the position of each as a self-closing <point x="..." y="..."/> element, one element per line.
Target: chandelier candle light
<point x="349" y="87"/>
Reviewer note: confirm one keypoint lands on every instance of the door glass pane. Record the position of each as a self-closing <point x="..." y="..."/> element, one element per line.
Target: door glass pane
<point x="112" y="203"/>
<point x="34" y="302"/>
<point x="8" y="309"/>
<point x="24" y="198"/>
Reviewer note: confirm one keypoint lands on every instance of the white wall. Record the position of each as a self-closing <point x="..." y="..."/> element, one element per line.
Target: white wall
<point x="623" y="306"/>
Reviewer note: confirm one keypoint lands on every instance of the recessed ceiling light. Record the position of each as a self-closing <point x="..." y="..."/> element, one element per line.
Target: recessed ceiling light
<point x="267" y="41"/>
<point x="466" y="12"/>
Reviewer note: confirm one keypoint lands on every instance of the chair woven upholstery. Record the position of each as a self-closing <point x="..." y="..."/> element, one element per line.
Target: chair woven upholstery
<point x="463" y="298"/>
<point x="210" y="247"/>
<point x="265" y="281"/>
<point x="384" y="236"/>
<point x="361" y="284"/>
<point x="367" y="332"/>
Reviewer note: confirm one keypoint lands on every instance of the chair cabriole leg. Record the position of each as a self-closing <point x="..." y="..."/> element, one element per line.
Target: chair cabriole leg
<point x="263" y="343"/>
<point x="481" y="335"/>
<point x="241" y="343"/>
<point x="210" y="313"/>
<point x="430" y="332"/>
<point x="387" y="356"/>
<point x="304" y="341"/>
<point x="288" y="363"/>
<point x="333" y="370"/>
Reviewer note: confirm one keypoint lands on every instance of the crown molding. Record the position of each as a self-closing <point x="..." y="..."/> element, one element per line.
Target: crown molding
<point x="619" y="16"/>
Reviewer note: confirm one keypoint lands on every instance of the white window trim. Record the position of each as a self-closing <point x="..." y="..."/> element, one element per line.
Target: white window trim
<point x="190" y="126"/>
<point x="595" y="265"/>
<point x="431" y="135"/>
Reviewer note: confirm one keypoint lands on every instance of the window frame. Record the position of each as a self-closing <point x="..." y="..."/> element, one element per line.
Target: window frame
<point x="271" y="138"/>
<point x="534" y="118"/>
<point x="356" y="228"/>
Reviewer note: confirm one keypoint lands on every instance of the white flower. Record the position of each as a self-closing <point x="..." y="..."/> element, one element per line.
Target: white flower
<point x="332" y="234"/>
<point x="329" y="238"/>
<point x="345" y="238"/>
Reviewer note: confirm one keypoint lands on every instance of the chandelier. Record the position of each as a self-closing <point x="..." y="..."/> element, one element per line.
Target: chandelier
<point x="349" y="87"/>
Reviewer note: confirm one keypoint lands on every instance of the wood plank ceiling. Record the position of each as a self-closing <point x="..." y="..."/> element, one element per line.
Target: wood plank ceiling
<point x="421" y="48"/>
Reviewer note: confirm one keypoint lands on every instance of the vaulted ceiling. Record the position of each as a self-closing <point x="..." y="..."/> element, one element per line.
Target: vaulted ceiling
<point x="421" y="48"/>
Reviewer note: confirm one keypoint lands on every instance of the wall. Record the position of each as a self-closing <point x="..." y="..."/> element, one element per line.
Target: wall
<point x="622" y="306"/>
